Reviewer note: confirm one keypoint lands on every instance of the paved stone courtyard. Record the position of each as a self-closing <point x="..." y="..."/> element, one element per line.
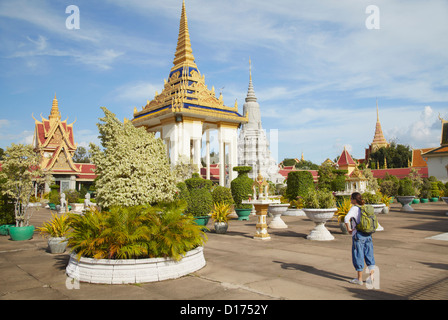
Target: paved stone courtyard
<point x="412" y="265"/>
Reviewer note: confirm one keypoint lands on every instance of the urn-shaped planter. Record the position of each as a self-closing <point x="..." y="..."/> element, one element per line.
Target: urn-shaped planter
<point x="295" y="212"/>
<point x="446" y="201"/>
<point x="377" y="209"/>
<point x="405" y="201"/>
<point x="243" y="214"/>
<point x="221" y="227"/>
<point x="320" y="217"/>
<point x="21" y="233"/>
<point x="57" y="245"/>
<point x="277" y="210"/>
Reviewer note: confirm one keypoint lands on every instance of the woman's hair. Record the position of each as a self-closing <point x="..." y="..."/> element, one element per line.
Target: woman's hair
<point x="358" y="198"/>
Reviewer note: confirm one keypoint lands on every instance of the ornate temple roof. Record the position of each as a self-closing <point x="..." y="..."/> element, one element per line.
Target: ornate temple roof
<point x="185" y="92"/>
<point x="378" y="139"/>
<point x="54" y="139"/>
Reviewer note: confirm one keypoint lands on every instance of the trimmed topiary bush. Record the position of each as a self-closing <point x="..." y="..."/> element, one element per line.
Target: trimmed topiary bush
<point x="298" y="184"/>
<point x="241" y="187"/>
<point x="222" y="194"/>
<point x="200" y="200"/>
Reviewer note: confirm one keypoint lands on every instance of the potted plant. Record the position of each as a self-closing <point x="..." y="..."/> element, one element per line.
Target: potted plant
<point x="200" y="200"/>
<point x="434" y="191"/>
<point x="406" y="193"/>
<point x="56" y="230"/>
<point x="319" y="206"/>
<point x="344" y="207"/>
<point x="387" y="201"/>
<point x="220" y="215"/>
<point x="20" y="170"/>
<point x="445" y="198"/>
<point x="241" y="188"/>
<point x="135" y="244"/>
<point x="425" y="191"/>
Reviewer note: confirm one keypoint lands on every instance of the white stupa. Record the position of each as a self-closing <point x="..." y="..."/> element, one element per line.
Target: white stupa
<point x="253" y="146"/>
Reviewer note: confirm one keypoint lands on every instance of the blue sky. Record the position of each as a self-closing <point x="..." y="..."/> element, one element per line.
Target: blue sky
<point x="317" y="69"/>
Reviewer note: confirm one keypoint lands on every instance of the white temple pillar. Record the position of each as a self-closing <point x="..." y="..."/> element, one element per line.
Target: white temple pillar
<point x="207" y="156"/>
<point x="221" y="157"/>
<point x="197" y="153"/>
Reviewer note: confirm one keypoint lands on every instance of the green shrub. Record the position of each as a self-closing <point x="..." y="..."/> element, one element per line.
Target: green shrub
<point x="183" y="193"/>
<point x="241" y="187"/>
<point x="319" y="199"/>
<point x="298" y="184"/>
<point x="196" y="182"/>
<point x="406" y="188"/>
<point x="54" y="197"/>
<point x="71" y="196"/>
<point x="222" y="194"/>
<point x="371" y="198"/>
<point x="435" y="189"/>
<point x="200" y="202"/>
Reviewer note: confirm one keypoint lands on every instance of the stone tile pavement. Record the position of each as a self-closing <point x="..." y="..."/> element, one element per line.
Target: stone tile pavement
<point x="412" y="265"/>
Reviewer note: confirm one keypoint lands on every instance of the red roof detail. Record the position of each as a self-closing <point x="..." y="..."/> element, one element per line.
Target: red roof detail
<point x="345" y="159"/>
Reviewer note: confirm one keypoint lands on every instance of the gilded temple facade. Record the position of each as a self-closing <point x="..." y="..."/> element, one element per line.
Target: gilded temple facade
<point x="187" y="109"/>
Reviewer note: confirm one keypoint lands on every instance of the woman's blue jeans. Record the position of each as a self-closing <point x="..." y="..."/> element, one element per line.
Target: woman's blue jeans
<point x="362" y="250"/>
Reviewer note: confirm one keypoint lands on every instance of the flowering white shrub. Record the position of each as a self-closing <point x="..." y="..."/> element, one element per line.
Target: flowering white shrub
<point x="133" y="167"/>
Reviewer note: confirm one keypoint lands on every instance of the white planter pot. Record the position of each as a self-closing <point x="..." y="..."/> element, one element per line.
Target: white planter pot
<point x="405" y="201"/>
<point x="320" y="217"/>
<point x="277" y="210"/>
<point x="77" y="207"/>
<point x="133" y="270"/>
<point x="378" y="208"/>
<point x="294" y="212"/>
<point x="57" y="245"/>
<point x="446" y="201"/>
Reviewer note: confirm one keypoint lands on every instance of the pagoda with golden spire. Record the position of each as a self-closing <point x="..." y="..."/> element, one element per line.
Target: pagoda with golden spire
<point x="378" y="140"/>
<point x="186" y="108"/>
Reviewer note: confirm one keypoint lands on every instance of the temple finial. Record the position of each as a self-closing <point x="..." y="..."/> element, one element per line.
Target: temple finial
<point x="184" y="53"/>
<point x="54" y="113"/>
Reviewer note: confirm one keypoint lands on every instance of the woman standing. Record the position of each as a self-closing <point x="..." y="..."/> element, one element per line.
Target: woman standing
<point x="362" y="245"/>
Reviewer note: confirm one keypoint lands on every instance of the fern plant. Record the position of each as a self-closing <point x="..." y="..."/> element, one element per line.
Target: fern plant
<point x="135" y="232"/>
<point x="57" y="227"/>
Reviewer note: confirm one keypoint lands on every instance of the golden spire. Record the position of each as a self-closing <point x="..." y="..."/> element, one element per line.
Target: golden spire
<point x="184" y="53"/>
<point x="55" y="114"/>
<point x="378" y="139"/>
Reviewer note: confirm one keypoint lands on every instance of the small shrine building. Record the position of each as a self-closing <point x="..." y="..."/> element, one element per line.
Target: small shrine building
<point x="55" y="141"/>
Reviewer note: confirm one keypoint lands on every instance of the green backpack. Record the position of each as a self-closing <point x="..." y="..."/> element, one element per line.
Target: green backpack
<point x="368" y="221"/>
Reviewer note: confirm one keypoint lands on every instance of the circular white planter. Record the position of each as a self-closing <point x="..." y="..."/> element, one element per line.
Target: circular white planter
<point x="133" y="270"/>
<point x="446" y="201"/>
<point x="277" y="210"/>
<point x="405" y="201"/>
<point x="319" y="217"/>
<point x="294" y="212"/>
<point x="378" y="208"/>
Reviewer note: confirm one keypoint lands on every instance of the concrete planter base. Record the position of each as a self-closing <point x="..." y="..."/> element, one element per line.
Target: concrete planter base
<point x="133" y="270"/>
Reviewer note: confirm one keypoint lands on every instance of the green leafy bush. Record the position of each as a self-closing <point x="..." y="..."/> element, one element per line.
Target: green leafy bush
<point x="406" y="188"/>
<point x="222" y="194"/>
<point x="298" y="184"/>
<point x="371" y="198"/>
<point x="319" y="199"/>
<point x="200" y="201"/>
<point x="241" y="187"/>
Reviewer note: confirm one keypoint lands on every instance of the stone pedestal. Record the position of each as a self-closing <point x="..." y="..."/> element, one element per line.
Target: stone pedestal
<point x="261" y="206"/>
